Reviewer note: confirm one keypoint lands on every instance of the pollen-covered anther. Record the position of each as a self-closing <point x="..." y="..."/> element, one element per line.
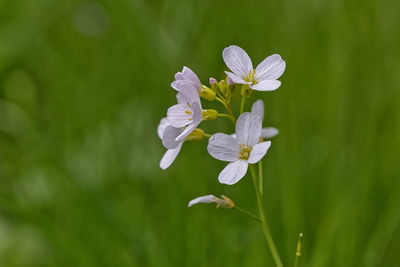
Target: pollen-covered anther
<point x="244" y="152"/>
<point x="250" y="76"/>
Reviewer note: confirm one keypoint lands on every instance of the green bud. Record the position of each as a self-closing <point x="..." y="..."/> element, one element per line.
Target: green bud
<point x="222" y="87"/>
<point x="214" y="84"/>
<point x="230" y="84"/>
<point x="210" y="114"/>
<point x="207" y="93"/>
<point x="197" y="134"/>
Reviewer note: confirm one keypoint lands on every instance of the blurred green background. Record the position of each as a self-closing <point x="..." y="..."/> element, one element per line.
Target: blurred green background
<point x="83" y="86"/>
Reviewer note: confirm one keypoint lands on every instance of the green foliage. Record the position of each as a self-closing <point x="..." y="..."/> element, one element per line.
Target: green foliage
<point x="83" y="86"/>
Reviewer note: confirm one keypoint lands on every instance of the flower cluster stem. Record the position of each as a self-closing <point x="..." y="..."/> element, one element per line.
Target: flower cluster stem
<point x="226" y="104"/>
<point x="248" y="213"/>
<point x="260" y="175"/>
<point x="227" y="116"/>
<point x="242" y="104"/>
<point x="267" y="232"/>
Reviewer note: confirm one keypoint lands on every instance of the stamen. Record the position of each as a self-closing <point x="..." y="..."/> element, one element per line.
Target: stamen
<point x="250" y="76"/>
<point x="244" y="152"/>
<point x="188" y="111"/>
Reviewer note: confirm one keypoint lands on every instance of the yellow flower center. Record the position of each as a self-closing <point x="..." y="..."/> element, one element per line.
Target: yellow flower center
<point x="250" y="77"/>
<point x="244" y="152"/>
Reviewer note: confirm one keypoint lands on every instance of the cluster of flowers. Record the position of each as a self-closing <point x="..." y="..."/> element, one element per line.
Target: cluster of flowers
<point x="247" y="145"/>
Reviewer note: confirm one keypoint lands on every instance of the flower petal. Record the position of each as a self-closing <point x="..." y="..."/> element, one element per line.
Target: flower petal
<point x="186" y="131"/>
<point x="180" y="98"/>
<point x="266" y="85"/>
<point x="188" y="91"/>
<point x="233" y="172"/>
<point x="191" y="77"/>
<point x="269" y="132"/>
<point x="248" y="129"/>
<point x="202" y="199"/>
<point x="197" y="112"/>
<point x="161" y="127"/>
<point x="169" y="135"/>
<point x="179" y="76"/>
<point x="170" y="156"/>
<point x="237" y="61"/>
<point x="235" y="78"/>
<point x="187" y="75"/>
<point x="174" y="85"/>
<point x="179" y="115"/>
<point x="270" y="68"/>
<point x="258" y="152"/>
<point x="258" y="108"/>
<point x="223" y="147"/>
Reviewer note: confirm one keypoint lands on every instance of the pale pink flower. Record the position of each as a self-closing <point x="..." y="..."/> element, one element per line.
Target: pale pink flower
<point x="263" y="78"/>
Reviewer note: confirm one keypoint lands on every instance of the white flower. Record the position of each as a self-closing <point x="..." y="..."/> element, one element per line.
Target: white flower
<point x="263" y="78"/>
<point x="223" y="202"/>
<point x="187" y="113"/>
<point x="186" y="75"/>
<point x="175" y="147"/>
<point x="258" y="109"/>
<point x="240" y="150"/>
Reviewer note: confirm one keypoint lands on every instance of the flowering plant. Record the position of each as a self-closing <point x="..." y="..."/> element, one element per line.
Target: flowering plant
<point x="242" y="149"/>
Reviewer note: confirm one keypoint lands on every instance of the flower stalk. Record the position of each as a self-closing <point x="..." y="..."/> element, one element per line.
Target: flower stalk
<point x="267" y="232"/>
<point x="248" y="213"/>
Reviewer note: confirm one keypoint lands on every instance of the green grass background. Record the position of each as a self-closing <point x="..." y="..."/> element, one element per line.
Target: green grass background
<point x="83" y="86"/>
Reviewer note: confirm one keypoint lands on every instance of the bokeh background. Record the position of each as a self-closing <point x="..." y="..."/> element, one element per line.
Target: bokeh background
<point x="83" y="86"/>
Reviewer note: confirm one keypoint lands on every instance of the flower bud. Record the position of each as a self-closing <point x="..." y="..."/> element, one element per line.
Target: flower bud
<point x="214" y="84"/>
<point x="212" y="81"/>
<point x="206" y="93"/>
<point x="197" y="134"/>
<point x="222" y="87"/>
<point x="210" y="114"/>
<point x="229" y="81"/>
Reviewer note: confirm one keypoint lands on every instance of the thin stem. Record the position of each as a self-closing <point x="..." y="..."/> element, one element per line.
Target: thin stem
<point x="298" y="251"/>
<point x="260" y="177"/>
<point x="207" y="135"/>
<point x="227" y="116"/>
<point x="227" y="106"/>
<point x="248" y="213"/>
<point x="267" y="232"/>
<point x="221" y="101"/>
<point x="242" y="104"/>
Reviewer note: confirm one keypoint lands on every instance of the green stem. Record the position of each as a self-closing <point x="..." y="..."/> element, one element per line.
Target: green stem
<point x="247" y="213"/>
<point x="267" y="232"/>
<point x="227" y="116"/>
<point x="260" y="175"/>
<point x="228" y="108"/>
<point x="221" y="101"/>
<point x="242" y="104"/>
<point x="298" y="251"/>
<point x="207" y="135"/>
